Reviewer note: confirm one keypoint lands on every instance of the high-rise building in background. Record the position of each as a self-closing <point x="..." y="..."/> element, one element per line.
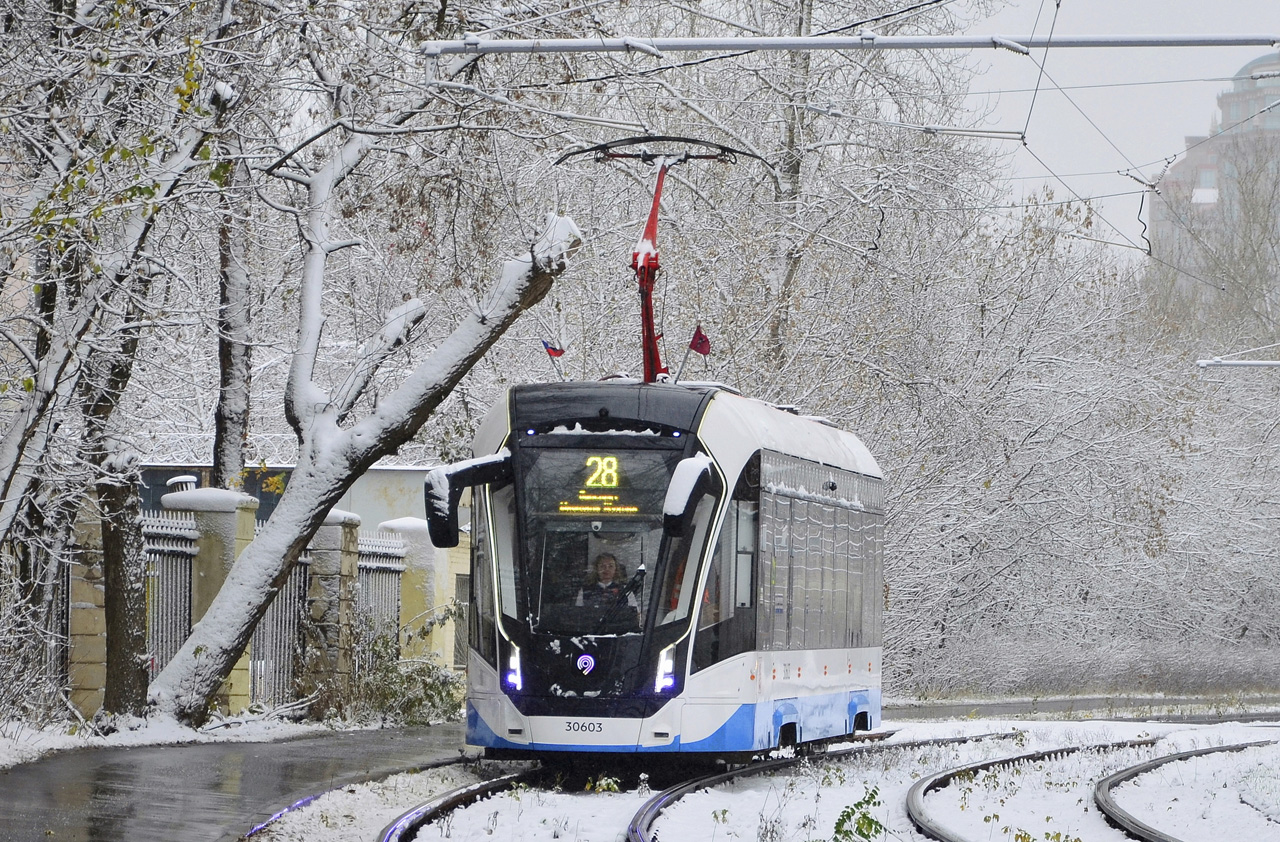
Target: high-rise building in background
<point x="1215" y="225"/>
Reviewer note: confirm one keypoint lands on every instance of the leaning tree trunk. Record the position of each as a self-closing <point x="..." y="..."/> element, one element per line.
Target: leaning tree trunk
<point x="330" y="458"/>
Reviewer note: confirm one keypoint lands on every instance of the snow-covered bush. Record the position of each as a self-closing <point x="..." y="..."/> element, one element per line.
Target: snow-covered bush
<point x="408" y="691"/>
<point x="383" y="687"/>
<point x="31" y="685"/>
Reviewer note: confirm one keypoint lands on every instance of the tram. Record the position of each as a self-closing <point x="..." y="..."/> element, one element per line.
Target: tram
<point x="746" y="614"/>
<point x="662" y="567"/>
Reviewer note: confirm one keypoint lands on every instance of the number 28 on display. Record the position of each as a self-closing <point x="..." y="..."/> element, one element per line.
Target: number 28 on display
<point x="604" y="472"/>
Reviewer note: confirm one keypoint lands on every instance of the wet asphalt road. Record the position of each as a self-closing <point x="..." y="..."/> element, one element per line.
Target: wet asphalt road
<point x="192" y="793"/>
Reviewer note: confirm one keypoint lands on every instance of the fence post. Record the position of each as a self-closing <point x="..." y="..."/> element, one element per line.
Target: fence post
<point x="335" y="556"/>
<point x="86" y="620"/>
<point x="225" y="521"/>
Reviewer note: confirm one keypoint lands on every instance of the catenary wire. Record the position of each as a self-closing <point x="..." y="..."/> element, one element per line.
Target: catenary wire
<point x="1057" y="6"/>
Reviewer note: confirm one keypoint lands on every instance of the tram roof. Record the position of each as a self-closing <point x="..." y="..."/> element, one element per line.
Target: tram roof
<point x="730" y="425"/>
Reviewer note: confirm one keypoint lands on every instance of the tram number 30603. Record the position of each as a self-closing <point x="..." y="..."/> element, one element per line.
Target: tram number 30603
<point x="585" y="727"/>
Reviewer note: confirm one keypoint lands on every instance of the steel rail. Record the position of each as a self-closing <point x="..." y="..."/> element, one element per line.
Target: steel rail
<point x="306" y="800"/>
<point x="474" y="45"/>
<point x="639" y="830"/>
<point x="1126" y="820"/>
<point x="405" y="826"/>
<point x="931" y="828"/>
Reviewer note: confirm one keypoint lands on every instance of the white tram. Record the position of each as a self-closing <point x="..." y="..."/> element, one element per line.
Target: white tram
<point x="747" y="612"/>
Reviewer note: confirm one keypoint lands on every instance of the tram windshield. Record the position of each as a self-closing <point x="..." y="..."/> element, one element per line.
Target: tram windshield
<point x="590" y="518"/>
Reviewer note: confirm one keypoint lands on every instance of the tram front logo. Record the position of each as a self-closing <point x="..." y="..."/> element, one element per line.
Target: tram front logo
<point x="586" y="663"/>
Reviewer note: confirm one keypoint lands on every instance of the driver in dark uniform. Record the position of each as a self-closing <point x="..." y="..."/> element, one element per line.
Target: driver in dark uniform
<point x="604" y="586"/>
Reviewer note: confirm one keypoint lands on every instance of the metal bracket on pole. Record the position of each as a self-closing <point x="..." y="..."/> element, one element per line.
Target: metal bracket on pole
<point x="1218" y="362"/>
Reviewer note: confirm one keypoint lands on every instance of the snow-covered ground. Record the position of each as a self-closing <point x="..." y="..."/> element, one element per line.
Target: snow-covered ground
<point x="1226" y="796"/>
<point x="1223" y="796"/>
<point x="20" y="744"/>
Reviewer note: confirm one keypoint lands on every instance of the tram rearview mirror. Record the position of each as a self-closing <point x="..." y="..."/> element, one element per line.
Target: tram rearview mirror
<point x="689" y="482"/>
<point x="444" y="488"/>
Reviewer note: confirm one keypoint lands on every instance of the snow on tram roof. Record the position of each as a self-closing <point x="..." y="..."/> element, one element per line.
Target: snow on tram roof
<point x="734" y="427"/>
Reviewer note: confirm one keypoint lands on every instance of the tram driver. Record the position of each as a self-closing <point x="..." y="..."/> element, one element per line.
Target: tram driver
<point x="602" y="593"/>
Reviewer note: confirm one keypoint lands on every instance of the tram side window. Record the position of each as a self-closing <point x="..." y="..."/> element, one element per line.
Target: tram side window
<point x="775" y="578"/>
<point x="804" y="610"/>
<point x="827" y="638"/>
<point x="820" y="563"/>
<point x="857" y="576"/>
<point x="675" y="597"/>
<point x="483" y="633"/>
<point x="812" y="578"/>
<point x="727" y="617"/>
<point x="504" y="548"/>
<point x="840" y="579"/>
<point x="873" y="627"/>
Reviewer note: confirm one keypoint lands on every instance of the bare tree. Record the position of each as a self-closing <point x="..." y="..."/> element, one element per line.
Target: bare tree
<point x="105" y="119"/>
<point x="339" y="433"/>
<point x="1217" y="254"/>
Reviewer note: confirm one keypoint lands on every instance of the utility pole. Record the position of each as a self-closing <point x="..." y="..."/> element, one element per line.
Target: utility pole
<point x="865" y="40"/>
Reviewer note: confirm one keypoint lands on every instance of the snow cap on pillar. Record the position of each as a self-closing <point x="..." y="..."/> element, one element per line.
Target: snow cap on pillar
<point x="337" y="517"/>
<point x="208" y="500"/>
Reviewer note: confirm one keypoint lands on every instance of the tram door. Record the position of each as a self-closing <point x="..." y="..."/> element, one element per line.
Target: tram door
<point x="724" y="670"/>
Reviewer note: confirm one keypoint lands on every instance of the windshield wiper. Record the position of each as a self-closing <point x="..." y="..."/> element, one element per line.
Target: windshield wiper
<point x="631" y="587"/>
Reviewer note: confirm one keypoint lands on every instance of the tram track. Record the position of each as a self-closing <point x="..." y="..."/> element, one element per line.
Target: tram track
<point x="931" y="827"/>
<point x="541" y="781"/>
<point x="405" y="826"/>
<point x="641" y="826"/>
<point x="1126" y="821"/>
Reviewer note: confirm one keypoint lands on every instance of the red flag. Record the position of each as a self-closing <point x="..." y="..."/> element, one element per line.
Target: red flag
<point x="552" y="351"/>
<point x="701" y="342"/>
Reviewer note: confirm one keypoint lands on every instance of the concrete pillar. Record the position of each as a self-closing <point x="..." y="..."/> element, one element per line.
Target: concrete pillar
<point x="427" y="586"/>
<point x="331" y="591"/>
<point x="421" y="585"/>
<point x="87" y="621"/>
<point x="225" y="521"/>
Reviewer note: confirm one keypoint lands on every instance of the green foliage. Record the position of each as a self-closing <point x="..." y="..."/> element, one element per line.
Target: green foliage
<point x="416" y="691"/>
<point x="856" y="821"/>
<point x="189" y="86"/>
<point x="383" y="687"/>
<point x="220" y="174"/>
<point x="1019" y="834"/>
<point x="420" y="628"/>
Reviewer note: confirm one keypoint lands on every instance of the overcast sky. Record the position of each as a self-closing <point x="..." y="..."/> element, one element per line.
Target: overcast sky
<point x="1146" y="123"/>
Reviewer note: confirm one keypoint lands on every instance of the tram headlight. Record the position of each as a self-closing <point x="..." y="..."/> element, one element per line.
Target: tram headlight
<point x="514" y="679"/>
<point x="666" y="678"/>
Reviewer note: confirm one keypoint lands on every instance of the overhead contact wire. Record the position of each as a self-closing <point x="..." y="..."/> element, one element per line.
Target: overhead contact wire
<point x="1035" y="94"/>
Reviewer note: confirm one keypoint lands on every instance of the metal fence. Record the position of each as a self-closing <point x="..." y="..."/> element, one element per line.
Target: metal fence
<point x="170" y="542"/>
<point x="378" y="593"/>
<point x="276" y="650"/>
<point x="277" y="647"/>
